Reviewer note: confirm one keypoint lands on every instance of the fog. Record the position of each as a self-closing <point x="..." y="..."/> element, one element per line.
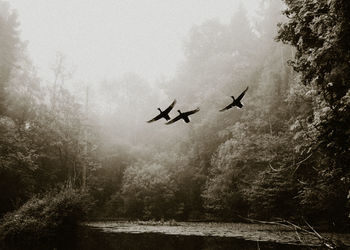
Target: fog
<point x="104" y="40"/>
<point x="254" y="131"/>
<point x="126" y="54"/>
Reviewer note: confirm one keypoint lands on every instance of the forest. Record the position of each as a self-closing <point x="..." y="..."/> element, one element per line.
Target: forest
<point x="88" y="154"/>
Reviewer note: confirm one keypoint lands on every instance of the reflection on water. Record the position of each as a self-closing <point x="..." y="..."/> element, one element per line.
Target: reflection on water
<point x="92" y="239"/>
<point x="111" y="241"/>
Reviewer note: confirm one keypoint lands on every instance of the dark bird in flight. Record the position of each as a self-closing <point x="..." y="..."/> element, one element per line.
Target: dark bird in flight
<point x="236" y="102"/>
<point x="184" y="116"/>
<point x="163" y="114"/>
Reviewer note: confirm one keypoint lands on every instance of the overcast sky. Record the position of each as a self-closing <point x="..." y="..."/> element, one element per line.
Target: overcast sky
<point x="107" y="38"/>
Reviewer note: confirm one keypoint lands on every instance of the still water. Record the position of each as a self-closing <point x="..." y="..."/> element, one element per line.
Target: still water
<point x="94" y="239"/>
<point x="89" y="238"/>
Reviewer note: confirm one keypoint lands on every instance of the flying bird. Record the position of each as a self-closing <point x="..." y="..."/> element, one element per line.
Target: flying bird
<point x="163" y="114"/>
<point x="184" y="116"/>
<point x="236" y="102"/>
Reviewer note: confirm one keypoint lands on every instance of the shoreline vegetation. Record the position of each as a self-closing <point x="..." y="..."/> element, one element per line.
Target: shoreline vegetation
<point x="266" y="231"/>
<point x="49" y="217"/>
<point x="45" y="217"/>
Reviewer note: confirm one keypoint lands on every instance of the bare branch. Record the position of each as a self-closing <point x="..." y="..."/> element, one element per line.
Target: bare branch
<point x="298" y="164"/>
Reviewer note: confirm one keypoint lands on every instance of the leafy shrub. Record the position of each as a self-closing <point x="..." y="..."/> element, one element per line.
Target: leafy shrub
<point x="273" y="194"/>
<point x="45" y="217"/>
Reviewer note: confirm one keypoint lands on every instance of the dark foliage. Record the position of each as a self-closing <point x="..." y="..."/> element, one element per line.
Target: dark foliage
<point x="320" y="32"/>
<point x="45" y="217"/>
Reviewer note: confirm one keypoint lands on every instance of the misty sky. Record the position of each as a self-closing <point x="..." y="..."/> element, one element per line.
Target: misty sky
<point x="105" y="39"/>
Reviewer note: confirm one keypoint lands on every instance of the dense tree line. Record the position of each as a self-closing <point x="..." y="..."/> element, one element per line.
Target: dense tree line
<point x="42" y="127"/>
<point x="285" y="154"/>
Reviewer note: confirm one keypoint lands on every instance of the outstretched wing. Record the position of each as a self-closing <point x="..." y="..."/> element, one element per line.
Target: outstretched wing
<point x="165" y="112"/>
<point x="227" y="107"/>
<point x="170" y="107"/>
<point x="242" y="94"/>
<point x="174" y="120"/>
<point x="191" y="112"/>
<point x="155" y="118"/>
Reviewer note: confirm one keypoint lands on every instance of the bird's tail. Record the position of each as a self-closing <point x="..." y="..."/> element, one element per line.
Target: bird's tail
<point x="240" y="105"/>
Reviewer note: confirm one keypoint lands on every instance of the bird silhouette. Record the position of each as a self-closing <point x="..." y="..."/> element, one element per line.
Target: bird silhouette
<point x="236" y="102"/>
<point x="163" y="114"/>
<point x="184" y="116"/>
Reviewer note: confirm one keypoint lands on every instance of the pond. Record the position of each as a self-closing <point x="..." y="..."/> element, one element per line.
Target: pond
<point x="182" y="235"/>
